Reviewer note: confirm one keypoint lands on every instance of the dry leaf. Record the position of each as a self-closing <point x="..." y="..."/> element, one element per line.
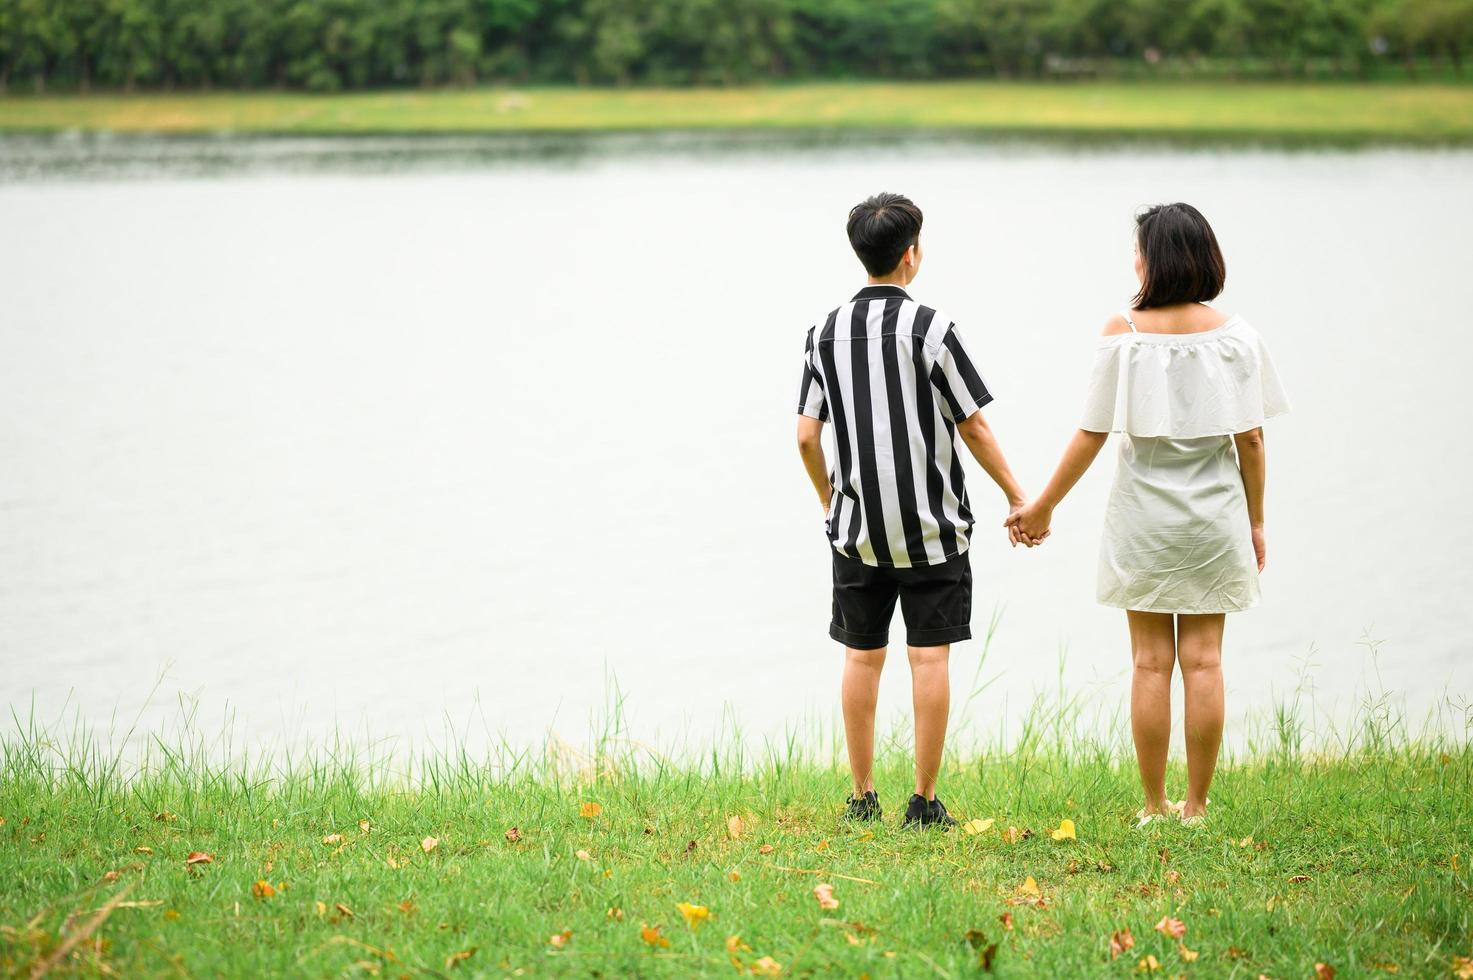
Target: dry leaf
<point x="1030" y="887"/>
<point x="1065" y="831"/>
<point x="407" y="907"/>
<point x="589" y="810"/>
<point x="459" y="957"/>
<point x="364" y="826"/>
<point x="822" y="845"/>
<point x="824" y="892"/>
<point x="560" y="939"/>
<point x="583" y="855"/>
<point x="1463" y="967"/>
<point x="1120" y="941"/>
<point x="429" y="844"/>
<point x="171" y="914"/>
<point x="734" y="827"/>
<point x="1175" y="928"/>
<point x="615" y="913"/>
<point x="870" y="835"/>
<point x="344" y="910"/>
<point x="766" y="967"/>
<point x="734" y="945"/>
<point x="321" y="909"/>
<point x="690" y="847"/>
<point x="765" y="849"/>
<point x="1187" y="954"/>
<point x="142" y="849"/>
<point x="1148" y="964"/>
<point x="1173" y="877"/>
<point x="166" y="817"/>
<point x="1324" y="971"/>
<point x="332" y="839"/>
<point x="1298" y="879"/>
<point x="1007" y="920"/>
<point x="1013" y="835"/>
<point x="694" y="914"/>
<point x="263" y="889"/>
<point x="111" y="875"/>
<point x="977" y="826"/>
<point x="513" y="835"/>
<point x="653" y="936"/>
<point x="733" y="876"/>
<point x="198" y="857"/>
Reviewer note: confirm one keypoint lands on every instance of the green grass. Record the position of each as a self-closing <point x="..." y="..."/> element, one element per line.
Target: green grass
<point x="1423" y="113"/>
<point x="1357" y="857"/>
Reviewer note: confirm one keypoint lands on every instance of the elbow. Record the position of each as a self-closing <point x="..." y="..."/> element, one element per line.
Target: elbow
<point x="1250" y="441"/>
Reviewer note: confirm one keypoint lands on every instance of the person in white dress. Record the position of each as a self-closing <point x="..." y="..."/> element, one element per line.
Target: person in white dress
<point x="1188" y="388"/>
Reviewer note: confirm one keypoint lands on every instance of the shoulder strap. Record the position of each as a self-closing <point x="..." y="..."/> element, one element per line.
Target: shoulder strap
<point x="1128" y="321"/>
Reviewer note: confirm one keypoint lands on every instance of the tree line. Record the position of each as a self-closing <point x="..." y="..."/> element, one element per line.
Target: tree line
<point x="330" y="45"/>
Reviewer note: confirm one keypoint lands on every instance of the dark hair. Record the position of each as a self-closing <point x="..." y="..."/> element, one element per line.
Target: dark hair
<point x="1183" y="262"/>
<point x="881" y="229"/>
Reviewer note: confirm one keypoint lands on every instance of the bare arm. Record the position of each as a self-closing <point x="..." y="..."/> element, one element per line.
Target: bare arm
<point x="1033" y="521"/>
<point x="978" y="436"/>
<point x="810" y="447"/>
<point x="1253" y="463"/>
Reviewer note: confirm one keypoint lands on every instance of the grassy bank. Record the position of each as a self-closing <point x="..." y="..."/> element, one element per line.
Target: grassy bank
<point x="1389" y="112"/>
<point x="1358" y="860"/>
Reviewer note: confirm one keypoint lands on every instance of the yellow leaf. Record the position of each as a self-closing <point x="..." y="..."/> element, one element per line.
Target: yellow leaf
<point x="1030" y="887"/>
<point x="560" y="939"/>
<point x="332" y="839"/>
<point x="653" y="936"/>
<point x="766" y="967"/>
<point x="1168" y="926"/>
<point x="616" y="913"/>
<point x="869" y="835"/>
<point x="459" y="957"/>
<point x="142" y="849"/>
<point x="365" y="826"/>
<point x="734" y="827"/>
<point x="344" y="909"/>
<point x="734" y="945"/>
<point x="822" y="845"/>
<point x="589" y="810"/>
<point x="1463" y="967"/>
<point x="1148" y="964"/>
<point x="584" y="856"/>
<point x="171" y="914"/>
<point x="824" y="892"/>
<point x="734" y="876"/>
<point x="1187" y="954"/>
<point x="429" y="844"/>
<point x="694" y="914"/>
<point x="321" y="909"/>
<point x="1065" y="831"/>
<point x="263" y="889"/>
<point x="977" y="826"/>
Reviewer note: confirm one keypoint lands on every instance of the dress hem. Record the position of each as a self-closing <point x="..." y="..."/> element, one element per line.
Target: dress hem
<point x="1179" y="612"/>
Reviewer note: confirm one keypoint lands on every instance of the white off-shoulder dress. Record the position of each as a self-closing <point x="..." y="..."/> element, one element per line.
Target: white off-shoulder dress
<point x="1177" y="537"/>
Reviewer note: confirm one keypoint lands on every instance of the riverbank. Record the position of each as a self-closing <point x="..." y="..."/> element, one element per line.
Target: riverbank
<point x="1360" y="861"/>
<point x="1394" y="113"/>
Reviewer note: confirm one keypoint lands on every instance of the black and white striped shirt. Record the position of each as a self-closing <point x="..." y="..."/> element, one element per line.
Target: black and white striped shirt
<point x="895" y="379"/>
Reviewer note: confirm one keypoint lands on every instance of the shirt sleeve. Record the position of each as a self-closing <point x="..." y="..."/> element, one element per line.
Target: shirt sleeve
<point x="811" y="399"/>
<point x="957" y="380"/>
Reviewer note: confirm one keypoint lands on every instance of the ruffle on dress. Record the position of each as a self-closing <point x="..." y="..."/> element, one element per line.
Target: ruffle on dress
<point x="1184" y="386"/>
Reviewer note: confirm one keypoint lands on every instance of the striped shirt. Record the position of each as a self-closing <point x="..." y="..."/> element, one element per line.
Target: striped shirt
<point x="894" y="377"/>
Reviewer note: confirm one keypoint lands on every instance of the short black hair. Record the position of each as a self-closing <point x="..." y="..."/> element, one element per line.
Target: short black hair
<point x="1183" y="262"/>
<point x="881" y="228"/>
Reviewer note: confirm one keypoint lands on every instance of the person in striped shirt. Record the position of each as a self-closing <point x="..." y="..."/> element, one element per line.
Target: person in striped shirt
<point x="899" y="386"/>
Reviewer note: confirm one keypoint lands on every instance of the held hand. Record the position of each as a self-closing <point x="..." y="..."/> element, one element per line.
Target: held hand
<point x="1260" y="549"/>
<point x="1030" y="524"/>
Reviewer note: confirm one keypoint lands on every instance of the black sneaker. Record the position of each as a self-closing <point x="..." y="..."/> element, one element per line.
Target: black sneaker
<point x="866" y="807"/>
<point x="921" y="812"/>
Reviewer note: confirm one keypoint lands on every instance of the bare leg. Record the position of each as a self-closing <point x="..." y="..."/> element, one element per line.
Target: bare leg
<point x="860" y="690"/>
<point x="930" y="688"/>
<point x="1153" y="647"/>
<point x="1199" y="649"/>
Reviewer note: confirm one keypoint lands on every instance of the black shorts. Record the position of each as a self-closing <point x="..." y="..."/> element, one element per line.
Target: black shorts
<point x="936" y="601"/>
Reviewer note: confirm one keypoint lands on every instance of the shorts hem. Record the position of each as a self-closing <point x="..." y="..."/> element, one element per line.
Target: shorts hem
<point x="940" y="636"/>
<point x="859" y="641"/>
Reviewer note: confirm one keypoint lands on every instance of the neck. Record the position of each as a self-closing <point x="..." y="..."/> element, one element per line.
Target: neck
<point x="896" y="278"/>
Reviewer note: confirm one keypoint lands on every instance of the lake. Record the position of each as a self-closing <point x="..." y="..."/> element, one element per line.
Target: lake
<point x="422" y="439"/>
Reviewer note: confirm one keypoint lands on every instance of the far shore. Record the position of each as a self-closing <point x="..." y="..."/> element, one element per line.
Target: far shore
<point x="1393" y="113"/>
